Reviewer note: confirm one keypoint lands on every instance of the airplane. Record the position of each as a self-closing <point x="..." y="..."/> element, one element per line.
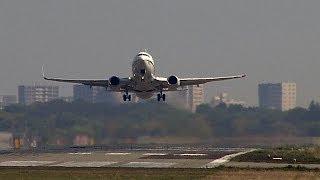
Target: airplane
<point x="143" y="81"/>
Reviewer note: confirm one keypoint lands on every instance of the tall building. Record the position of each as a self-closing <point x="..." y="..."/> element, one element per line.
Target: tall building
<point x="188" y="99"/>
<point x="280" y="96"/>
<point x="195" y="96"/>
<point x="7" y="100"/>
<point x="31" y="94"/>
<point x="95" y="94"/>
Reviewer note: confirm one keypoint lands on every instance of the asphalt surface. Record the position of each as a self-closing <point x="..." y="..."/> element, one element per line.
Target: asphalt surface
<point x="154" y="157"/>
<point x="132" y="157"/>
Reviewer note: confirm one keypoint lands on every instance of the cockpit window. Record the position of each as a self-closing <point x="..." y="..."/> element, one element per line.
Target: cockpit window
<point x="143" y="54"/>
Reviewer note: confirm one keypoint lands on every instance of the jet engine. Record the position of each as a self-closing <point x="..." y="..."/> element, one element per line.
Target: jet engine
<point x="114" y="82"/>
<point x="173" y="81"/>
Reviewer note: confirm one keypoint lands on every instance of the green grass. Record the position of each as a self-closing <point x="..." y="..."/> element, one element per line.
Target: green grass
<point x="97" y="173"/>
<point x="301" y="155"/>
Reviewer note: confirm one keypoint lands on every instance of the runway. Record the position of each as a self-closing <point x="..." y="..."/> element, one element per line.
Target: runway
<point x="176" y="157"/>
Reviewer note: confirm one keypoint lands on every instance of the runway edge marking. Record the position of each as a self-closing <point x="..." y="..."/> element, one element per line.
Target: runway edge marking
<point x="224" y="159"/>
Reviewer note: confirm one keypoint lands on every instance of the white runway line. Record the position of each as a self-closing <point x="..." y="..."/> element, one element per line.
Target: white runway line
<point x="154" y="154"/>
<point x="191" y="154"/>
<point x="85" y="164"/>
<point x="117" y="153"/>
<point x="148" y="165"/>
<point x="26" y="163"/>
<point x="79" y="153"/>
<point x="224" y="159"/>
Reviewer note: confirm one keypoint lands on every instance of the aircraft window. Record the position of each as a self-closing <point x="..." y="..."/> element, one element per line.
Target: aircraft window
<point x="142" y="54"/>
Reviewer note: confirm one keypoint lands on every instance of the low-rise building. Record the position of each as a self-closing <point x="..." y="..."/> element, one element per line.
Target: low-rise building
<point x="98" y="95"/>
<point x="7" y="100"/>
<point x="224" y="98"/>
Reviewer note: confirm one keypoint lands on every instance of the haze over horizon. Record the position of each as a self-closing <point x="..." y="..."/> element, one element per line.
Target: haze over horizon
<point x="270" y="41"/>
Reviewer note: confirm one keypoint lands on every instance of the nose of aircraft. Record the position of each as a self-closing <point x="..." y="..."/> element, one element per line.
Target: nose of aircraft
<point x="141" y="60"/>
<point x="142" y="57"/>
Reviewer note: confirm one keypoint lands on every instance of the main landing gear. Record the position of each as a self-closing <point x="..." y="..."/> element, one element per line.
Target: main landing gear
<point x="161" y="96"/>
<point x="127" y="96"/>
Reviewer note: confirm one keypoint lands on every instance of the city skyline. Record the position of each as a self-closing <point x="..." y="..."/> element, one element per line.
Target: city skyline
<point x="271" y="41"/>
<point x="280" y="96"/>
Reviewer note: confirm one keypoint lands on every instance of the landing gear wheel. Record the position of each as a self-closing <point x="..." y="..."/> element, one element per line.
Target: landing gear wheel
<point x="161" y="96"/>
<point x="126" y="96"/>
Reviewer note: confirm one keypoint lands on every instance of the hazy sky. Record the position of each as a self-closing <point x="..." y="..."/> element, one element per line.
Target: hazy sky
<point x="270" y="40"/>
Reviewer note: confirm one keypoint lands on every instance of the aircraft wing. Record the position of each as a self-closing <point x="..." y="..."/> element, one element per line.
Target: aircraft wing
<point x="163" y="82"/>
<point x="89" y="82"/>
<point x="197" y="81"/>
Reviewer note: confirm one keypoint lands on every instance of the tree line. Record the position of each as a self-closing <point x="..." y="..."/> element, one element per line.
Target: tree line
<point x="59" y="119"/>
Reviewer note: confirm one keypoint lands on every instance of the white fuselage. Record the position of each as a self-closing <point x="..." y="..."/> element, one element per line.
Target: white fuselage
<point x="143" y="71"/>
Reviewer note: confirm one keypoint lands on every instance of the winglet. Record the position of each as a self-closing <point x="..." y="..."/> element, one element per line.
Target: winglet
<point x="243" y="75"/>
<point x="43" y="74"/>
